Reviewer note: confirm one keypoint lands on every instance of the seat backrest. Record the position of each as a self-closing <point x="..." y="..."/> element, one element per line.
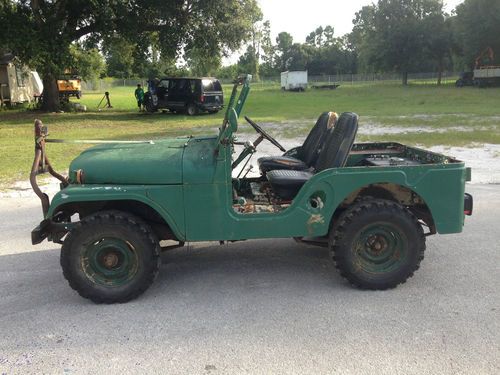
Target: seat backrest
<point x="338" y="142"/>
<point x="311" y="147"/>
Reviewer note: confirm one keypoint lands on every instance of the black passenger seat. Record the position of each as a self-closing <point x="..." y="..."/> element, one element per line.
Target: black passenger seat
<point x="307" y="154"/>
<point x="338" y="143"/>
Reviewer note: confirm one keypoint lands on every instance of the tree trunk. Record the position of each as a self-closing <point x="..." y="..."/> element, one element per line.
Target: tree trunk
<point x="50" y="93"/>
<point x="440" y="73"/>
<point x="405" y="78"/>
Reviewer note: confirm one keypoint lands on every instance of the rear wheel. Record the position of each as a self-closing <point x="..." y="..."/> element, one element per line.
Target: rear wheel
<point x="191" y="109"/>
<point x="110" y="256"/>
<point x="377" y="244"/>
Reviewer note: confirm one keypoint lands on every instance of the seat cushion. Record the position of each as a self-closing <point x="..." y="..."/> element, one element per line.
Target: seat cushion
<point x="286" y="183"/>
<point x="307" y="153"/>
<point x="269" y="163"/>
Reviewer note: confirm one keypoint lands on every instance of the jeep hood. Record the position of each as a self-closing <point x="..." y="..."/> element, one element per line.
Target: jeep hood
<point x="156" y="163"/>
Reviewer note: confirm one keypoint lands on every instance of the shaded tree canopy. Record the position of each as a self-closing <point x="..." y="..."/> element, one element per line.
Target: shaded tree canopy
<point x="393" y="34"/>
<point x="40" y="32"/>
<point x="476" y="26"/>
<point x="88" y="62"/>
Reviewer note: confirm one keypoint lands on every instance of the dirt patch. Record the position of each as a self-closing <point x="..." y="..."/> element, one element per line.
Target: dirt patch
<point x="484" y="161"/>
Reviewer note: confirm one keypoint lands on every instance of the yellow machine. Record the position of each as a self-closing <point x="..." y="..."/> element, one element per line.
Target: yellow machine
<point x="69" y="85"/>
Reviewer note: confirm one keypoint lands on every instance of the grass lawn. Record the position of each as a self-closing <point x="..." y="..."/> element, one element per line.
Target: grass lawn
<point x="415" y="106"/>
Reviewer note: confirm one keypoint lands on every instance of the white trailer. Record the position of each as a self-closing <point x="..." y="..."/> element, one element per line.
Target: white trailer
<point x="17" y="83"/>
<point x="294" y="80"/>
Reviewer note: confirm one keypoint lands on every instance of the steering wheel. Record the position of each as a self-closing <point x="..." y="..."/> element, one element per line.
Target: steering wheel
<point x="264" y="134"/>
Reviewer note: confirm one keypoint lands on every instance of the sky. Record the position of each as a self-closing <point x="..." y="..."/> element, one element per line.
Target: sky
<point x="299" y="18"/>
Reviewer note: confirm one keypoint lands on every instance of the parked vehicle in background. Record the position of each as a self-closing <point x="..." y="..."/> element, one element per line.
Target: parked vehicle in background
<point x="294" y="80"/>
<point x="487" y="76"/>
<point x="482" y="77"/>
<point x="485" y="73"/>
<point x="465" y="79"/>
<point x="69" y="85"/>
<point x="187" y="95"/>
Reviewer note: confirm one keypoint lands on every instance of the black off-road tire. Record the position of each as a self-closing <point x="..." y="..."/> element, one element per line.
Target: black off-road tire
<point x="191" y="109"/>
<point x="150" y="107"/>
<point x="115" y="235"/>
<point x="377" y="244"/>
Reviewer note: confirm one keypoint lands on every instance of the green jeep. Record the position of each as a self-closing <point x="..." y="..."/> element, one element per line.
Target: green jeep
<point x="371" y="204"/>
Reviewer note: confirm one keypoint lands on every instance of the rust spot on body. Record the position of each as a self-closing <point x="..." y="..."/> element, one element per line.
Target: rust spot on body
<point x="314" y="219"/>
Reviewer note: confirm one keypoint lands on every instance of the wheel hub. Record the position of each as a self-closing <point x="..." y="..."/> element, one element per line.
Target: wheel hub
<point x="380" y="247"/>
<point x="376" y="244"/>
<point x="110" y="260"/>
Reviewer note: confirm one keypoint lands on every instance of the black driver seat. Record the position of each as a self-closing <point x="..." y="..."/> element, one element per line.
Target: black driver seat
<point x="338" y="143"/>
<point x="307" y="154"/>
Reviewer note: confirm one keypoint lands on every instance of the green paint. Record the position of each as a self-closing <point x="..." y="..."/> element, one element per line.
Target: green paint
<point x="156" y="163"/>
<point x="188" y="182"/>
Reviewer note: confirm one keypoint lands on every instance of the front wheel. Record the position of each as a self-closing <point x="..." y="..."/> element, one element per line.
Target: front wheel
<point x="150" y="107"/>
<point x="110" y="256"/>
<point x="377" y="244"/>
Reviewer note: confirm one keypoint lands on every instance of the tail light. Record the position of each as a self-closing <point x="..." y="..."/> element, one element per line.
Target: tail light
<point x="468" y="204"/>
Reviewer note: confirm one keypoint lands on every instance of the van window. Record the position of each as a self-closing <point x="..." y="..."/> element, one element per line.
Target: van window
<point x="182" y="86"/>
<point x="211" y="85"/>
<point x="163" y="83"/>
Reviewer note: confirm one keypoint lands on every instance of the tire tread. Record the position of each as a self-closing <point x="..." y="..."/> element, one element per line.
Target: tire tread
<point x="366" y="205"/>
<point x="116" y="218"/>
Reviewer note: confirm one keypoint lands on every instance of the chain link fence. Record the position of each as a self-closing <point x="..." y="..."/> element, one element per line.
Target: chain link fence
<point x="106" y="84"/>
<point x="340" y="79"/>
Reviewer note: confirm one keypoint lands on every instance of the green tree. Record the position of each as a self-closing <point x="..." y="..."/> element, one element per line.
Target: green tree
<point x="321" y="37"/>
<point x="392" y="34"/>
<point x="247" y="63"/>
<point x="268" y="49"/>
<point x="227" y="72"/>
<point x="202" y="62"/>
<point x="119" y="55"/>
<point x="438" y="40"/>
<point x="299" y="56"/>
<point x="284" y="42"/>
<point x="89" y="63"/>
<point x="256" y="40"/>
<point x="477" y="27"/>
<point x="329" y="35"/>
<point x="40" y="32"/>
